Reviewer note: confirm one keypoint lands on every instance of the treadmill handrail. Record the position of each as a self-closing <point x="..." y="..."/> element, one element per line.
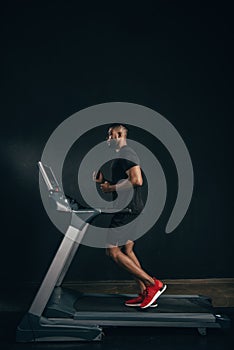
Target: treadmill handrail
<point x="45" y="177"/>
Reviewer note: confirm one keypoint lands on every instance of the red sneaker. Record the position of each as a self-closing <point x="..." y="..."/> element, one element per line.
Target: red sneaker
<point x="138" y="301"/>
<point x="135" y="301"/>
<point x="153" y="293"/>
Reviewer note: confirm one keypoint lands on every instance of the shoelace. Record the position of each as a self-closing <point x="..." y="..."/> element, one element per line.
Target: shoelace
<point x="146" y="292"/>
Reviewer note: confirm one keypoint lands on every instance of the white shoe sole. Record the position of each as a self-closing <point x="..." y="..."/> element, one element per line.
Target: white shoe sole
<point x="154" y="305"/>
<point x="157" y="295"/>
<point x="137" y="305"/>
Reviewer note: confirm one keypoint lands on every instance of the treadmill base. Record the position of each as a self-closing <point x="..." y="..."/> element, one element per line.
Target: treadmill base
<point x="72" y="316"/>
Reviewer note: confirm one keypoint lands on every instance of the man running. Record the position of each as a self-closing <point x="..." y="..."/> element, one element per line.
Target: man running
<point x="127" y="180"/>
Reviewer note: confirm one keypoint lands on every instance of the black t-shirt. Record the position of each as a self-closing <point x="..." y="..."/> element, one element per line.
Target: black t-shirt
<point x="127" y="158"/>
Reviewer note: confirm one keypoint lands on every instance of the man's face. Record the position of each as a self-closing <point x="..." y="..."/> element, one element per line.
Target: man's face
<point x="113" y="139"/>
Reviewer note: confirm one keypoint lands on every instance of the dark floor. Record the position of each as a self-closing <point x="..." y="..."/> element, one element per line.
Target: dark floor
<point x="12" y="310"/>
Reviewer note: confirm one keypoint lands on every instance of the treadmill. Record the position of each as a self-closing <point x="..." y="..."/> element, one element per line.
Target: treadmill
<point x="60" y="314"/>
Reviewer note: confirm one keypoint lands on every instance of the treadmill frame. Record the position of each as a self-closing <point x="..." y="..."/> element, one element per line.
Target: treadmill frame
<point x="75" y="325"/>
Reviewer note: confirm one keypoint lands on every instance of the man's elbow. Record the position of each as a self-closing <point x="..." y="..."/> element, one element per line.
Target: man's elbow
<point x="137" y="182"/>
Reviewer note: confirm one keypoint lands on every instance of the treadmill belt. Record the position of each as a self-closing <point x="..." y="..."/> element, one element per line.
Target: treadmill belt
<point x="115" y="303"/>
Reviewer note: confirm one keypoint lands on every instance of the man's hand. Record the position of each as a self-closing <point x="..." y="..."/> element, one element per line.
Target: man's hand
<point x="106" y="187"/>
<point x="97" y="176"/>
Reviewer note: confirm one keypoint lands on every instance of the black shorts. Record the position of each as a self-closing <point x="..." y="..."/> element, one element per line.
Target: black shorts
<point x="118" y="234"/>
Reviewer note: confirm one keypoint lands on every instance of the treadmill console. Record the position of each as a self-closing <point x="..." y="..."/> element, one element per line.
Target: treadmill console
<point x="62" y="202"/>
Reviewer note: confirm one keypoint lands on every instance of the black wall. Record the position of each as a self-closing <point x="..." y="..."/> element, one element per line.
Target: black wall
<point x="176" y="58"/>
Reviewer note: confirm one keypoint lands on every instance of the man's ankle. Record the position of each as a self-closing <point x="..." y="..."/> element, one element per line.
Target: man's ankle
<point x="150" y="283"/>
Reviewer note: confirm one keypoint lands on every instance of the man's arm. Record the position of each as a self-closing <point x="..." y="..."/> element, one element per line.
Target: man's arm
<point x="98" y="176"/>
<point x="134" y="179"/>
<point x="134" y="176"/>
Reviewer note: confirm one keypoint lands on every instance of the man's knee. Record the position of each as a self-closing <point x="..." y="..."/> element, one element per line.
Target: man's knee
<point x="113" y="252"/>
<point x="129" y="247"/>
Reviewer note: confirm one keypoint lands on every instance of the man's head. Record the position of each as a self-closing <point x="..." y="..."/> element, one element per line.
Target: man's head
<point x="117" y="135"/>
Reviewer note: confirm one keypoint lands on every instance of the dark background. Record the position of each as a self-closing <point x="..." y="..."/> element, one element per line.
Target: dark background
<point x="174" y="57"/>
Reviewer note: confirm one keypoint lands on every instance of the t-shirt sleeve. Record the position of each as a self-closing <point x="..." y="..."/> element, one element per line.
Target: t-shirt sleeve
<point x="129" y="159"/>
